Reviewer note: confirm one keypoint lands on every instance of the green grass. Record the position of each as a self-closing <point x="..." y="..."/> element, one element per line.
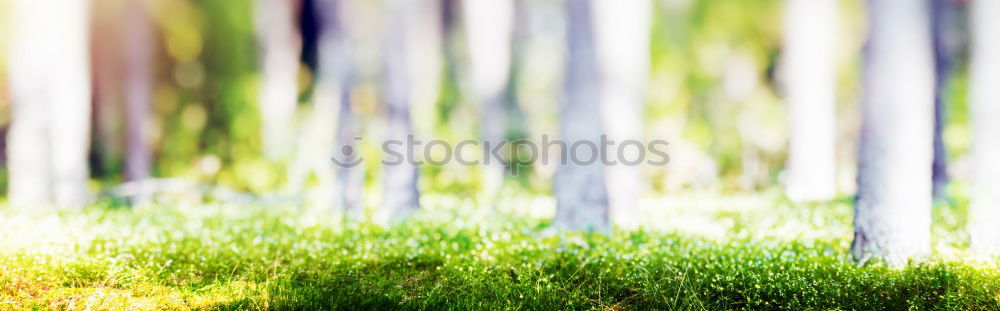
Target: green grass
<point x="702" y="252"/>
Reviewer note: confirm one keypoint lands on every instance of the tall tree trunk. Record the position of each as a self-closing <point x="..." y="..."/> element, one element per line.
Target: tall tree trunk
<point x="425" y="55"/>
<point x="946" y="29"/>
<point x="50" y="89"/>
<point x="28" y="153"/>
<point x="984" y="208"/>
<point x="622" y="40"/>
<point x="581" y="196"/>
<point x="489" y="27"/>
<point x="449" y="20"/>
<point x="337" y="73"/>
<point x="69" y="103"/>
<point x="809" y="76"/>
<point x="280" y="49"/>
<point x="138" y="90"/>
<point x="892" y="211"/>
<point x="400" y="196"/>
<point x="349" y="177"/>
<point x="939" y="166"/>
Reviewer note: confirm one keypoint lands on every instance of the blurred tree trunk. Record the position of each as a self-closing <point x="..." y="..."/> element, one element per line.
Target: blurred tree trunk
<point x="28" y="151"/>
<point x="892" y="211"/>
<point x="449" y="21"/>
<point x="984" y="94"/>
<point x="106" y="55"/>
<point x="581" y="196"/>
<point x="622" y="42"/>
<point x="489" y="27"/>
<point x="49" y="76"/>
<point x="400" y="196"/>
<point x="809" y="75"/>
<point x="335" y="84"/>
<point x="350" y="178"/>
<point x="280" y="46"/>
<point x="424" y="60"/>
<point x="946" y="44"/>
<point x="138" y="90"/>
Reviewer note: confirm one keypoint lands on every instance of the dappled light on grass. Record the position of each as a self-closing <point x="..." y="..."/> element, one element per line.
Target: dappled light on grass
<point x="760" y="252"/>
<point x="142" y="296"/>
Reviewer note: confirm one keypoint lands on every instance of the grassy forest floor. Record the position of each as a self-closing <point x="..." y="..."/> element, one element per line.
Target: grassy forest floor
<point x="704" y="253"/>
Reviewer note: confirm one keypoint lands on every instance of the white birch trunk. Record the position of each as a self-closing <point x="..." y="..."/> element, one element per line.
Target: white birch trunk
<point x="984" y="102"/>
<point x="28" y="153"/>
<point x="892" y="211"/>
<point x="280" y="45"/>
<point x="424" y="59"/>
<point x="809" y="75"/>
<point x="489" y="28"/>
<point x="581" y="196"/>
<point x="622" y="33"/>
<point x="400" y="196"/>
<point x="50" y="89"/>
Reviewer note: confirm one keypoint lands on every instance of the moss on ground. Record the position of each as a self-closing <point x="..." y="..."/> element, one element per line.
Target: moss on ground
<point x="700" y="253"/>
